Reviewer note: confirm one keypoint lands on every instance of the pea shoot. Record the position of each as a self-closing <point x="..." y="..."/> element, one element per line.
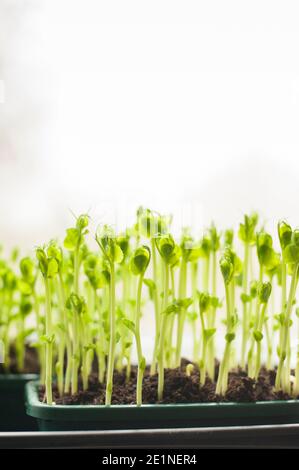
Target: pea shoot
<point x="87" y="309"/>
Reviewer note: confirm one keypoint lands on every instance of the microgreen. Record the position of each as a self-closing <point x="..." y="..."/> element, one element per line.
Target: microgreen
<point x="247" y="236"/>
<point x="86" y="309"/>
<point x="139" y="263"/>
<point x="112" y="254"/>
<point x="228" y="266"/>
<point x="48" y="266"/>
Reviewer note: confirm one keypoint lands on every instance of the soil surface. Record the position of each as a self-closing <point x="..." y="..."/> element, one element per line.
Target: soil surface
<point x="31" y="365"/>
<point x="178" y="389"/>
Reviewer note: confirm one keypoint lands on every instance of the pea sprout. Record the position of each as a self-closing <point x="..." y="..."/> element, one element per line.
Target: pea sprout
<point x="87" y="309"/>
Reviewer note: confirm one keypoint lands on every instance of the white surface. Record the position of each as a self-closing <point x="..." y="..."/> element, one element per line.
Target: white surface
<point x="188" y="107"/>
<point x="166" y="103"/>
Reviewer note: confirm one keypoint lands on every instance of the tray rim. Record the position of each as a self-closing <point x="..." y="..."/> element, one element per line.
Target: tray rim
<point x="92" y="412"/>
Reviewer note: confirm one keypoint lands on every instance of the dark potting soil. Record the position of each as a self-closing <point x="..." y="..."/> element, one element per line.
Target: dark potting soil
<point x="178" y="388"/>
<point x="31" y="365"/>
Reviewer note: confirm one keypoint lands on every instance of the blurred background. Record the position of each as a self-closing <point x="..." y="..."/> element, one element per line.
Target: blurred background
<point x="186" y="107"/>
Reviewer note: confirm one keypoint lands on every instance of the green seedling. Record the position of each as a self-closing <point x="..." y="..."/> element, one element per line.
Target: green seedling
<point x="169" y="252"/>
<point x="228" y="264"/>
<point x="139" y="263"/>
<point x="112" y="254"/>
<point x="152" y="225"/>
<point x="82" y="309"/>
<point x="49" y="269"/>
<point x="290" y="251"/>
<point x="190" y="252"/>
<point x="205" y="302"/>
<point x="264" y="292"/>
<point x="247" y="236"/>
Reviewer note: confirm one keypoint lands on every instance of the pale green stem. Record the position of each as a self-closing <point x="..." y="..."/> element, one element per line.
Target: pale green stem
<point x="285" y="328"/>
<point x="172" y="319"/>
<point x="203" y="355"/>
<point x="101" y="341"/>
<point x="156" y="306"/>
<point x="223" y="372"/>
<point x="250" y="360"/>
<point x="182" y="313"/>
<point x="296" y="385"/>
<point x="138" y="343"/>
<point x="259" y="343"/>
<point x="76" y="344"/>
<point x="162" y="336"/>
<point x="68" y="372"/>
<point x="245" y="319"/>
<point x="111" y="356"/>
<point x="49" y="344"/>
<point x="212" y="317"/>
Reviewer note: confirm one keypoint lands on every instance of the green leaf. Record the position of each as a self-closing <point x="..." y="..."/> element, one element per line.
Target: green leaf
<point x="52" y="269"/>
<point x="151" y="224"/>
<point x="177" y="305"/>
<point x="47" y="338"/>
<point x="228" y="237"/>
<point x="204" y="301"/>
<point x="115" y="253"/>
<point x="82" y="222"/>
<point x="245" y="298"/>
<point x="229" y="337"/>
<point x="42" y="261"/>
<point x="72" y="239"/>
<point x="227" y="269"/>
<point x="76" y="304"/>
<point x="205" y="247"/>
<point x="192" y="316"/>
<point x="90" y="347"/>
<point x="214" y="238"/>
<point x="266" y="255"/>
<point x="258" y="335"/>
<point x="61" y="327"/>
<point x="129" y="324"/>
<point x="25" y="288"/>
<point x="215" y="302"/>
<point x="280" y="317"/>
<point x="123" y="242"/>
<point x="185" y="303"/>
<point x="27" y="270"/>
<point x="106" y="240"/>
<point x="253" y="289"/>
<point x="117" y="337"/>
<point x="25" y="307"/>
<point x="142" y="364"/>
<point x="169" y="251"/>
<point x="151" y="287"/>
<point x="190" y="250"/>
<point x="291" y="254"/>
<point x="54" y="251"/>
<point x="247" y="228"/>
<point x="264" y="292"/>
<point x="172" y="308"/>
<point x="140" y="260"/>
<point x="208" y="333"/>
<point x="284" y="234"/>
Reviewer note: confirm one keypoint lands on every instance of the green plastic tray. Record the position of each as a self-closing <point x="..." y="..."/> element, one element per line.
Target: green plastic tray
<point x="13" y="416"/>
<point x="100" y="417"/>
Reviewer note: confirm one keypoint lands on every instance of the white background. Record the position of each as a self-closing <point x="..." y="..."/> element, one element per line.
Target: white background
<point x="187" y="106"/>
